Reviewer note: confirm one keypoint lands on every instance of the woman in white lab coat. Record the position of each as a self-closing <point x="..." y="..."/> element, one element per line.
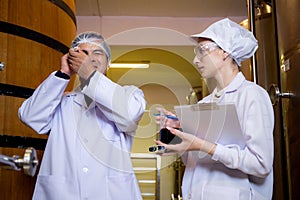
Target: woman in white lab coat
<point x="91" y="129"/>
<point x="232" y="172"/>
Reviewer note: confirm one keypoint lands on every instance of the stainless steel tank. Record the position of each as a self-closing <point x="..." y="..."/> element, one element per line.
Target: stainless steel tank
<point x="277" y="29"/>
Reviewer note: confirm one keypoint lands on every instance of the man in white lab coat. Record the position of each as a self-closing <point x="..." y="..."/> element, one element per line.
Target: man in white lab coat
<point x="91" y="129"/>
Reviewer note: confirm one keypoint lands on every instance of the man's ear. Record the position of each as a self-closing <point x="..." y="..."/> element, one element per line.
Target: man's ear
<point x="107" y="68"/>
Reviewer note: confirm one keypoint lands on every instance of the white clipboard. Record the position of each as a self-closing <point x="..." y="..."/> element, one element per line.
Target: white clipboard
<point x="212" y="122"/>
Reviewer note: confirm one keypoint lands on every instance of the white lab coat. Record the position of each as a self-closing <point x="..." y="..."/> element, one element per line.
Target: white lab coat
<point x="88" y="150"/>
<point x="235" y="173"/>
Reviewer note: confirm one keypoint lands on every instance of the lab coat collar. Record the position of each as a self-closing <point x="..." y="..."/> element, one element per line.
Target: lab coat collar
<point x="234" y="85"/>
<point x="80" y="100"/>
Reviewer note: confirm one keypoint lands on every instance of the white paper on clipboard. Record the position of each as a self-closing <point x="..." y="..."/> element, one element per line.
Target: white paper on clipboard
<point x="212" y="122"/>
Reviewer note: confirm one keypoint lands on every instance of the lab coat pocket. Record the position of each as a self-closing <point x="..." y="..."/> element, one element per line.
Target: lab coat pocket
<point x="213" y="192"/>
<point x="123" y="187"/>
<point x="54" y="187"/>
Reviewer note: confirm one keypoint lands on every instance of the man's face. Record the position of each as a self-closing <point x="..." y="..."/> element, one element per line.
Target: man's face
<point x="96" y="55"/>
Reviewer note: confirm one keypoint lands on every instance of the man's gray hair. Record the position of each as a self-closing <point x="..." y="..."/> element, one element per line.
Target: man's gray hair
<point x="92" y="38"/>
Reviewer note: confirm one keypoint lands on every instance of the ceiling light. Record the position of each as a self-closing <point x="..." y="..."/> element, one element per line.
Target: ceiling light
<point x="129" y="65"/>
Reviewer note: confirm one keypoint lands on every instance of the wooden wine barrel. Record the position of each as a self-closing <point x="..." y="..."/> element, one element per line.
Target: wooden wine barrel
<point x="33" y="37"/>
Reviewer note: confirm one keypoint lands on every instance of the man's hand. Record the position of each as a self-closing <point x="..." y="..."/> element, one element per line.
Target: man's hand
<point x="65" y="68"/>
<point x="80" y="63"/>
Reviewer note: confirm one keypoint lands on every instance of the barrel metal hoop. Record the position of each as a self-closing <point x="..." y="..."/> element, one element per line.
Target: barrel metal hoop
<point x="14" y="29"/>
<point x="10" y="141"/>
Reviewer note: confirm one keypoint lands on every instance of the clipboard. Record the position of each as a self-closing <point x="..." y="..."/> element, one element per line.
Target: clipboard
<point x="212" y="122"/>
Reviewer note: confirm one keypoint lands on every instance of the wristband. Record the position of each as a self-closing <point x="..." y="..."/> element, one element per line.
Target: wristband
<point x="62" y="75"/>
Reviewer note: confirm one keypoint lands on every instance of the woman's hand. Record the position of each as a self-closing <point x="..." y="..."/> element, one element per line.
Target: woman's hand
<point x="189" y="143"/>
<point x="164" y="121"/>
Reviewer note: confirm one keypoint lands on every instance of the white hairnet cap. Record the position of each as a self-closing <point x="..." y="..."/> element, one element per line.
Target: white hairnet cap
<point x="237" y="41"/>
<point x="92" y="38"/>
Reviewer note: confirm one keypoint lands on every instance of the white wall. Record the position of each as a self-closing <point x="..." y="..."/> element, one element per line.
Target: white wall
<point x="114" y="25"/>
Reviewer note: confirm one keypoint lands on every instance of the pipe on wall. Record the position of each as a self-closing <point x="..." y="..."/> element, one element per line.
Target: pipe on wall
<point x="251" y="19"/>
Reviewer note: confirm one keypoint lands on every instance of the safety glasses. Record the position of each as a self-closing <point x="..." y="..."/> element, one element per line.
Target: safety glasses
<point x="202" y="50"/>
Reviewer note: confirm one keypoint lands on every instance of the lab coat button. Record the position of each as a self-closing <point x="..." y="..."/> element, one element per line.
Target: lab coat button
<point x="190" y="196"/>
<point x="85" y="169"/>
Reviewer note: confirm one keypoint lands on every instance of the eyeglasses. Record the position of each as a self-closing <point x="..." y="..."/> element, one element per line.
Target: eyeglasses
<point x="202" y="50"/>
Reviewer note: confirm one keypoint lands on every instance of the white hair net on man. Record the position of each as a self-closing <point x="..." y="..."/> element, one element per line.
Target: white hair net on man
<point x="237" y="41"/>
<point x="92" y="38"/>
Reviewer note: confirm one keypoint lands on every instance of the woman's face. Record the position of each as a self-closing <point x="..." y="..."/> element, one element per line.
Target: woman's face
<point x="207" y="58"/>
